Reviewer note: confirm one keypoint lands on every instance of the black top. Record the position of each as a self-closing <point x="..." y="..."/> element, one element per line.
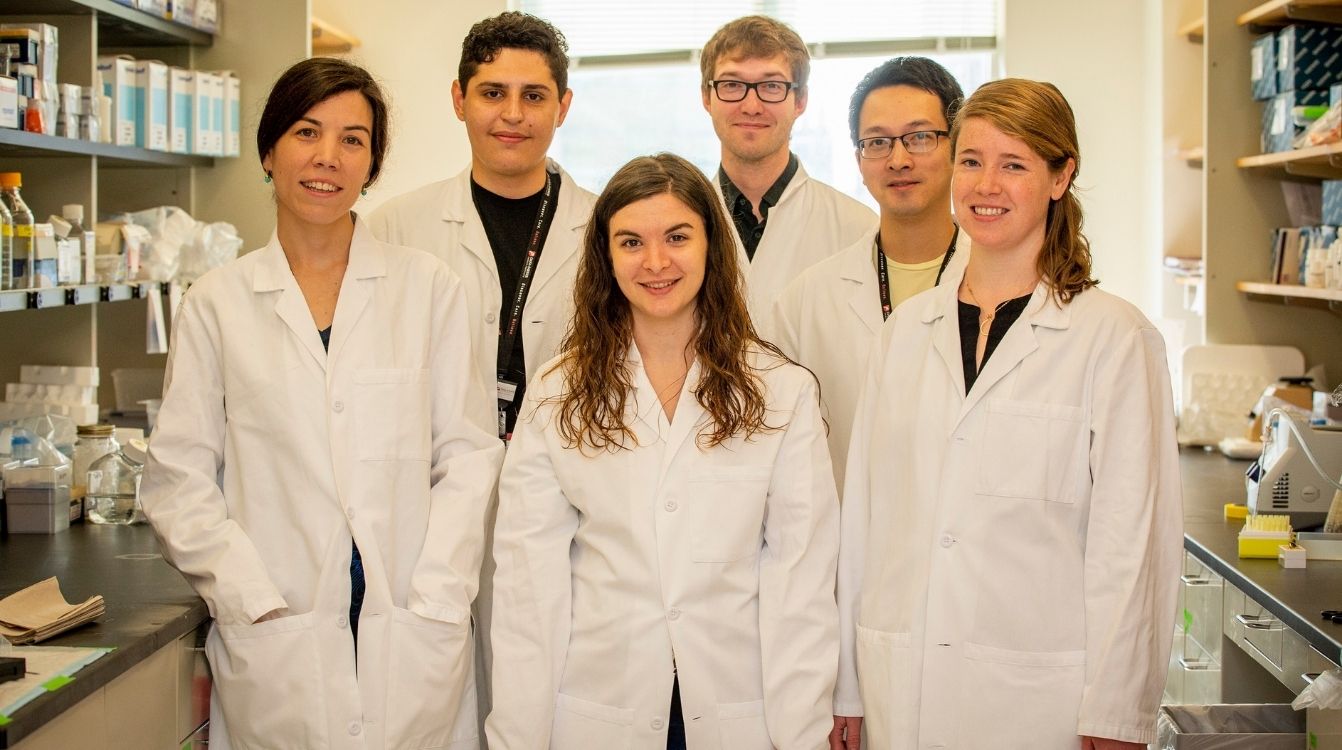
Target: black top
<point x="325" y="333"/>
<point x="969" y="333"/>
<point x="508" y="223"/>
<point x="743" y="214"/>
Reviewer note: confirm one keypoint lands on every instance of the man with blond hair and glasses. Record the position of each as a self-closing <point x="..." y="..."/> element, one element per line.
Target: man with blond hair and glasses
<point x="755" y="72"/>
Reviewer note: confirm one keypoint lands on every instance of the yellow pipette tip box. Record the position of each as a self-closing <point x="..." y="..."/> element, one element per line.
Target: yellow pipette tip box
<point x="1263" y="534"/>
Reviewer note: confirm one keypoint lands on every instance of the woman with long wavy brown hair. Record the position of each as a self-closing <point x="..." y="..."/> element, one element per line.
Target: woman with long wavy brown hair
<point x="667" y="529"/>
<point x="1011" y="518"/>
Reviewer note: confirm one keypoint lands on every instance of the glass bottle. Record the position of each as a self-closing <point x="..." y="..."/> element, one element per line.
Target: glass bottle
<point x="21" y="276"/>
<point x="95" y="441"/>
<point x="114" y="488"/>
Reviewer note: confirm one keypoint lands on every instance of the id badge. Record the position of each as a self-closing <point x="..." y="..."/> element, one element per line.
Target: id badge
<point x="507" y="391"/>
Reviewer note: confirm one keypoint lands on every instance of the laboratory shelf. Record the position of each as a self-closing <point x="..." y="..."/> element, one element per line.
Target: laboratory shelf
<point x="1193" y="156"/>
<point x="1292" y="294"/>
<point x="60" y="296"/>
<point x="1324" y="162"/>
<point x="21" y="143"/>
<point x="1284" y="12"/>
<point x="118" y="25"/>
<point x="1194" y="30"/>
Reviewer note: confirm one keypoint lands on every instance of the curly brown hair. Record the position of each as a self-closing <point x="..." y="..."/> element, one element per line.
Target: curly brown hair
<point x="1037" y="113"/>
<point x="598" y="381"/>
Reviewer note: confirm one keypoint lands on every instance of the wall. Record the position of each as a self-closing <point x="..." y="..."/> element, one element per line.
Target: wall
<point x="1105" y="57"/>
<point x="413" y="47"/>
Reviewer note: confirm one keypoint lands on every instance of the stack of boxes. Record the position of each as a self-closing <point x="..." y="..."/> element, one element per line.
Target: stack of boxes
<point x="165" y="108"/>
<point x="42" y="389"/>
<point x="1294" y="68"/>
<point x="199" y="14"/>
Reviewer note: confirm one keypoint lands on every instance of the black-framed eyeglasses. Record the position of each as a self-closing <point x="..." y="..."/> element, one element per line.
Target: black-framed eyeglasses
<point x="770" y="92"/>
<point x="917" y="142"/>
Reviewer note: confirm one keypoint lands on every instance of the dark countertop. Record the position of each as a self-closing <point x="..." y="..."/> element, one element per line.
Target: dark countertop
<point x="1293" y="596"/>
<point x="149" y="604"/>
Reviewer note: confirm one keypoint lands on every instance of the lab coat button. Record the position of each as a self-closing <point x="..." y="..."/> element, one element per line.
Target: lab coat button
<point x="673" y="614"/>
<point x="355" y="727"/>
<point x="947" y="540"/>
<point x="490" y="317"/>
<point x="671" y="505"/>
<point x="338" y="406"/>
<point x="341" y="621"/>
<point x="657" y="725"/>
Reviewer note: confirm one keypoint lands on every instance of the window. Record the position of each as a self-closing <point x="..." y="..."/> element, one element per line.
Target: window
<point x="635" y="77"/>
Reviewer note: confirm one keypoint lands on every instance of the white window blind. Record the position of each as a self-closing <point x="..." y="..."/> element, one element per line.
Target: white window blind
<point x="599" y="28"/>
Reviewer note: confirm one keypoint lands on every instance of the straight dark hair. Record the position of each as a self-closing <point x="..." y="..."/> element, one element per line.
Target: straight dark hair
<point x="918" y="72"/>
<point x="309" y="83"/>
<point x="514" y="30"/>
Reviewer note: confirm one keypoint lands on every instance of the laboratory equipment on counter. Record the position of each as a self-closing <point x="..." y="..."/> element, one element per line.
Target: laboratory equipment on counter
<point x="95" y="441"/>
<point x="21" y="257"/>
<point x="114" y="487"/>
<point x="1287" y="479"/>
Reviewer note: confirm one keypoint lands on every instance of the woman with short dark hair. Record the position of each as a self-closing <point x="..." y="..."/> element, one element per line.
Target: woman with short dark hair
<point x="324" y="456"/>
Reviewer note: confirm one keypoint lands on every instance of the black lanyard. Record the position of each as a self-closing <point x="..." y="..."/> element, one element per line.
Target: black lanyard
<point x="883" y="274"/>
<point x="508" y="331"/>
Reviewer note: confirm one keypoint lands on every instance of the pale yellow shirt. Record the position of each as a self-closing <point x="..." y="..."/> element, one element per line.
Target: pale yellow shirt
<point x="908" y="279"/>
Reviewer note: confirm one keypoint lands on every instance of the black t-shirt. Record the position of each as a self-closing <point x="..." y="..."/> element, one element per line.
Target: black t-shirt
<point x="969" y="333"/>
<point x="508" y="223"/>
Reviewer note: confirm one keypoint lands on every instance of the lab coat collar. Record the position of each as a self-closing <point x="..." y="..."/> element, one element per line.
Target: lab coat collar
<point x="858" y="265"/>
<point x="459" y="207"/>
<point x="940" y="310"/>
<point x="367" y="260"/>
<point x="648" y="409"/>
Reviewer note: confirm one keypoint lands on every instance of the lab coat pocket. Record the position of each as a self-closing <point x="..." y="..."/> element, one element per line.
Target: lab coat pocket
<point x="428" y="668"/>
<point x="884" y="672"/>
<point x="727" y="513"/>
<point x="1020" y="698"/>
<point x="269" y="681"/>
<point x="1032" y="450"/>
<point x="392" y="414"/>
<point x="742" y="725"/>
<point x="582" y="725"/>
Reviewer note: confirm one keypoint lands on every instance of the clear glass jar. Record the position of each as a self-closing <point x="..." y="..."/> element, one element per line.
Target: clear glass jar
<point x="114" y="490"/>
<point x="94" y="442"/>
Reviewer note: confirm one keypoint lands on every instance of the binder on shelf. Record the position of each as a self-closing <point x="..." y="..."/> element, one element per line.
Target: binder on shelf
<point x="202" y="114"/>
<point x="151" y="105"/>
<point x="232" y="115"/>
<point x="217" y="87"/>
<point x="181" y="105"/>
<point x="118" y="74"/>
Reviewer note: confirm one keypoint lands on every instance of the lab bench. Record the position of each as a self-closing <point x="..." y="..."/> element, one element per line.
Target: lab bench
<point x="151" y="690"/>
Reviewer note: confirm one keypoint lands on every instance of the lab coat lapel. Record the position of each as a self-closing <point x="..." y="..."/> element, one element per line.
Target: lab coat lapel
<point x="566" y="230"/>
<point x="367" y="261"/>
<point x="460" y="208"/>
<point x="859" y="269"/>
<point x="940" y="311"/>
<point x="650" y="420"/>
<point x="1019" y="342"/>
<point x="274" y="276"/>
<point x="685" y="427"/>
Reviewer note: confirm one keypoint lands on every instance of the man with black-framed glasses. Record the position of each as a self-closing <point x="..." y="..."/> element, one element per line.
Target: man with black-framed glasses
<point x="828" y="318"/>
<point x="754" y="77"/>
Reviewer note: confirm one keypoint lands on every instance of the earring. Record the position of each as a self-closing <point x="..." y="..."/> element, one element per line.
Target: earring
<point x="364" y="192"/>
<point x="266" y="179"/>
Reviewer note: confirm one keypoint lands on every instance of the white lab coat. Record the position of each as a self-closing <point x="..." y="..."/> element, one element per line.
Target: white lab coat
<point x="270" y="455"/>
<point x="1010" y="558"/>
<point x="811" y="222"/>
<point x="441" y="218"/>
<point x="615" y="563"/>
<point x="828" y="319"/>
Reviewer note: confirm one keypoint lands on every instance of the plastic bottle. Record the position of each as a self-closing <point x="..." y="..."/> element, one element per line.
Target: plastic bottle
<point x="22" y="255"/>
<point x="6" y="246"/>
<point x="34" y="118"/>
<point x="74" y="213"/>
<point x="22" y="446"/>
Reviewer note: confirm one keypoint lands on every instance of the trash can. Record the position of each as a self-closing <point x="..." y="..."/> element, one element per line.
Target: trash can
<point x="1269" y="726"/>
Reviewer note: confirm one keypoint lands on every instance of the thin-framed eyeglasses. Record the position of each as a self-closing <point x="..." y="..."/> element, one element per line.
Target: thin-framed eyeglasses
<point x="917" y="142"/>
<point x="769" y="92"/>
